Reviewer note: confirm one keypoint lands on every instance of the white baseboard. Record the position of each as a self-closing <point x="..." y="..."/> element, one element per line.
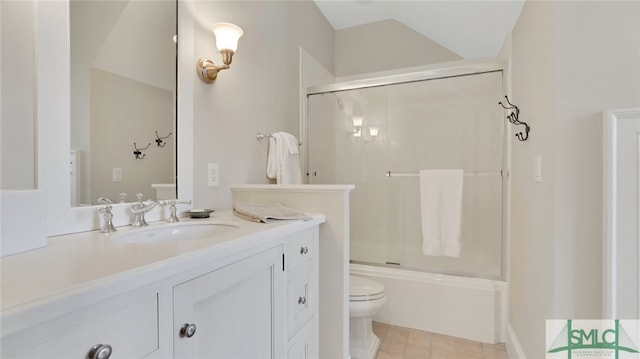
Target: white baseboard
<point x="514" y="349"/>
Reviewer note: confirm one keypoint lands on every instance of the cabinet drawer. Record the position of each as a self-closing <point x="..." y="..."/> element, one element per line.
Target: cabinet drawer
<point x="301" y="247"/>
<point x="301" y="298"/>
<point x="131" y="331"/>
<point x="303" y="344"/>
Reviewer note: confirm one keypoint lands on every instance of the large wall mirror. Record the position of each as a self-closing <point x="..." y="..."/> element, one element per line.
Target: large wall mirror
<point x="66" y="105"/>
<point x="123" y="99"/>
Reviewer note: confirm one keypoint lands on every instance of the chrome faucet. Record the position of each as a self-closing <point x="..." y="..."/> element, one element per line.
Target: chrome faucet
<point x="173" y="217"/>
<point x="107" y="226"/>
<point x="139" y="209"/>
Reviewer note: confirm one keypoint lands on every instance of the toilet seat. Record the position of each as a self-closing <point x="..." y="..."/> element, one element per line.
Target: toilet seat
<point x="364" y="290"/>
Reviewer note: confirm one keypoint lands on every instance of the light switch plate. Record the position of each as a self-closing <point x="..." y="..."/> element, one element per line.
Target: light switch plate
<point x="213" y="174"/>
<point x="537" y="176"/>
<point x="117" y="174"/>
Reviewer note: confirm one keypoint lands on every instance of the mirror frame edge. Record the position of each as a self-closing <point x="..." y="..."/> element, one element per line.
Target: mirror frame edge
<point x="185" y="111"/>
<point x="53" y="95"/>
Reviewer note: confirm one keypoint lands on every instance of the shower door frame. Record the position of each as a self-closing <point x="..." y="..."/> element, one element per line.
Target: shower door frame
<point x="433" y="72"/>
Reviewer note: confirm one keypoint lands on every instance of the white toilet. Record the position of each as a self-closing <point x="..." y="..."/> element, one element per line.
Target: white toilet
<point x="366" y="299"/>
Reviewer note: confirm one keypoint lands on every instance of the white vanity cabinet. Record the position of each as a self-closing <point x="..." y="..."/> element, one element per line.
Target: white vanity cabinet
<point x="255" y="297"/>
<point x="232" y="312"/>
<point x="263" y="306"/>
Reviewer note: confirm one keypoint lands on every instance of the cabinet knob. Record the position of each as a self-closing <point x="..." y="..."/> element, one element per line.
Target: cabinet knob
<point x="304" y="250"/>
<point x="302" y="300"/>
<point x="100" y="351"/>
<point x="188" y="330"/>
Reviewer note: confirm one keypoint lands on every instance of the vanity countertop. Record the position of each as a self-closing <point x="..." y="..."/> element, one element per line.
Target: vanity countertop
<point x="89" y="264"/>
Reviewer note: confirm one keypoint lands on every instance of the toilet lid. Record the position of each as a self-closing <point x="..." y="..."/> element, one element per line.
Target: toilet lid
<point x="365" y="289"/>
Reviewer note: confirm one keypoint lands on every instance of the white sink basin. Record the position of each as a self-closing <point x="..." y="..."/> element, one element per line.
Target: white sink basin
<point x="175" y="232"/>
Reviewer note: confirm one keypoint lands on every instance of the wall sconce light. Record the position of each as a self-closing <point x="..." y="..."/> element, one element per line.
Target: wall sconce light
<point x="357" y="126"/>
<point x="227" y="36"/>
<point x="373" y="131"/>
<point x="357" y="121"/>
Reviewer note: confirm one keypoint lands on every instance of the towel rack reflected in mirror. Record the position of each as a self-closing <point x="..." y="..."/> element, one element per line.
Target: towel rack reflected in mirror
<point x="261" y="136"/>
<point x="466" y="173"/>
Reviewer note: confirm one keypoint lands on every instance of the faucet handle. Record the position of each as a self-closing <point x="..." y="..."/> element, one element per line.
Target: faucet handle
<point x="173" y="217"/>
<point x="108" y="226"/>
<point x="139" y="197"/>
<point x="105" y="200"/>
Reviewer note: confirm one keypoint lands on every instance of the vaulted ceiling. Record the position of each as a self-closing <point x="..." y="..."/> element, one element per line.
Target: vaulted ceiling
<point x="472" y="29"/>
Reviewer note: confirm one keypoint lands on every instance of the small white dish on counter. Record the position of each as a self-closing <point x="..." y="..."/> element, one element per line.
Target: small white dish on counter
<point x="199" y="213"/>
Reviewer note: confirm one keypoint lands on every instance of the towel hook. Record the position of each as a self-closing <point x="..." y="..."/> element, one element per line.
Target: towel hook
<point x="513" y="118"/>
<point x="160" y="140"/>
<point x="138" y="151"/>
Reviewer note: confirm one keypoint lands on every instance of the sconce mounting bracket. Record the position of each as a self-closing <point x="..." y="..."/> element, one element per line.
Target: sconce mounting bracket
<point x="207" y="70"/>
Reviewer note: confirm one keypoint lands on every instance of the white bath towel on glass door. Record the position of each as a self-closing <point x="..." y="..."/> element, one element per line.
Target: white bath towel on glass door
<point x="441" y="211"/>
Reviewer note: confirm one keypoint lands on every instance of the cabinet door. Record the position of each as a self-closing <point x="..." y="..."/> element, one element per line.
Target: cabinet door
<point x="234" y="312"/>
<point x="130" y="331"/>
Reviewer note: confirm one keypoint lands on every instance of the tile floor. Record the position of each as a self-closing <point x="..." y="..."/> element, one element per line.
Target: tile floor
<point x="404" y="343"/>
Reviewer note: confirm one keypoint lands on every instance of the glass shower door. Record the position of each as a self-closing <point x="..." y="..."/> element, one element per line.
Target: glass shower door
<point x="379" y="138"/>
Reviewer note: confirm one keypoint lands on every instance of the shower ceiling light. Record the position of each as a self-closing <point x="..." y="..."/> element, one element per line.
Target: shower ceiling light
<point x="227" y="36"/>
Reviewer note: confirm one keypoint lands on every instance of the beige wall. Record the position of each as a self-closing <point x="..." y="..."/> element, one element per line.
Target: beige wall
<point x="17" y="130"/>
<point x="385" y="45"/>
<point x="259" y="93"/>
<point x="532" y="232"/>
<point x="600" y="67"/>
<point x="570" y="62"/>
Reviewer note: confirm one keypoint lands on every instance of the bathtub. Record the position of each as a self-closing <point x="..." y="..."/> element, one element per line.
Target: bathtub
<point x="463" y="307"/>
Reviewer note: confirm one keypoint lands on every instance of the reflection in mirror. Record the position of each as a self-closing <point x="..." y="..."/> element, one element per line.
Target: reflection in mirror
<point x="123" y="94"/>
<point x="17" y="31"/>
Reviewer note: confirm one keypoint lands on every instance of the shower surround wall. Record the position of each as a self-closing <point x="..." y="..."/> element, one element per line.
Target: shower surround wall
<point x="440" y="119"/>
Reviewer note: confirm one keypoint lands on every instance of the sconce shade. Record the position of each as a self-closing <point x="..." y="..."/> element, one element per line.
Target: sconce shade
<point x="373" y="131"/>
<point x="357" y="121"/>
<point x="227" y="35"/>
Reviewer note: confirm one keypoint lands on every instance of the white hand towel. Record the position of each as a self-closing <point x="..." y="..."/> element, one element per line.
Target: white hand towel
<point x="272" y="159"/>
<point x="290" y="141"/>
<point x="441" y="207"/>
<point x="283" y="161"/>
<point x="264" y="212"/>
